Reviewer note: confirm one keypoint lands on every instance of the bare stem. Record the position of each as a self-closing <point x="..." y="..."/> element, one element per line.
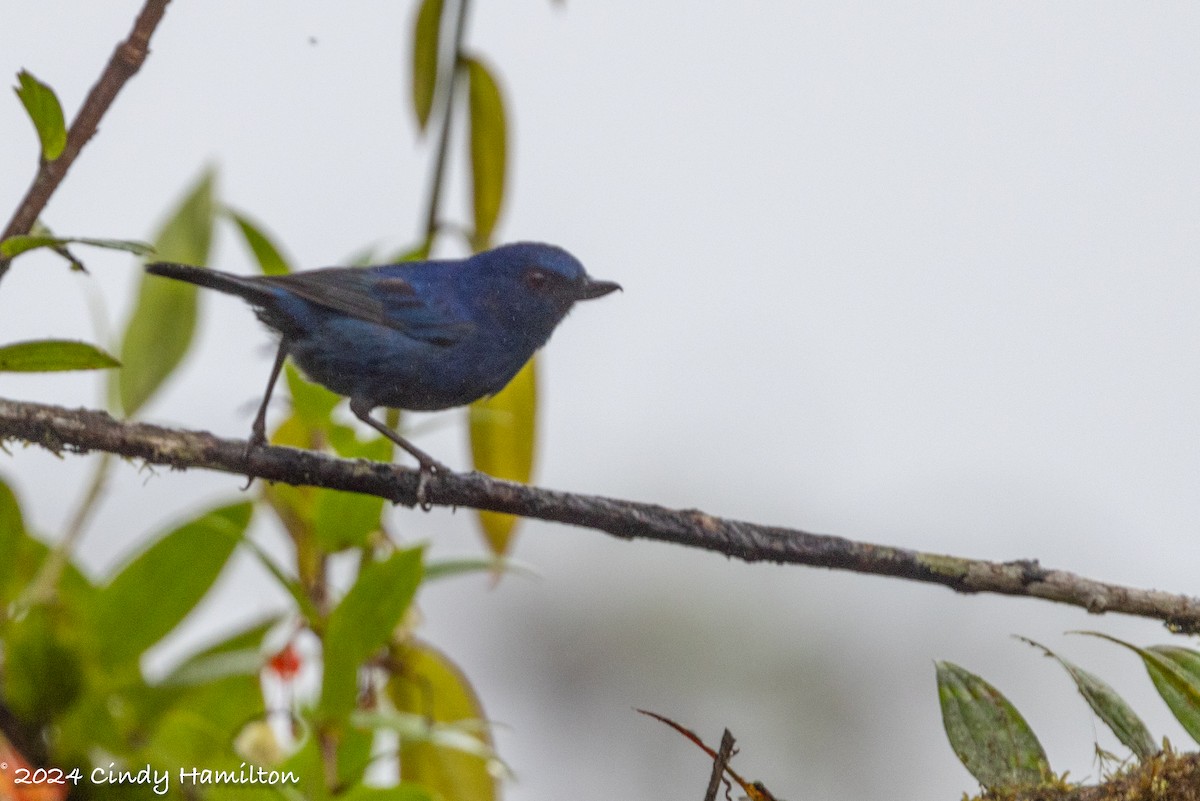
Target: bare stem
<point x="449" y="80"/>
<point x="719" y="766"/>
<point x="124" y="63"/>
<point x="81" y="430"/>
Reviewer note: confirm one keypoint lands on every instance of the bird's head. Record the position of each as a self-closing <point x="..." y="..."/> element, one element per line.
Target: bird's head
<point x="539" y="281"/>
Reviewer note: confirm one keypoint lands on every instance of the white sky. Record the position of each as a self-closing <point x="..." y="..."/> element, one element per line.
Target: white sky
<point x="921" y="273"/>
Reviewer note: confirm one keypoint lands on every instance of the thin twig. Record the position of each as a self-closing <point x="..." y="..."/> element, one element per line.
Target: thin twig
<point x="720" y="765"/>
<point x="449" y="78"/>
<point x="720" y="758"/>
<point x="124" y="63"/>
<point x="80" y="430"/>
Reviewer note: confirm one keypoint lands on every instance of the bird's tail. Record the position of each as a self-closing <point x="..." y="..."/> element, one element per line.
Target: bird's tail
<point x="248" y="288"/>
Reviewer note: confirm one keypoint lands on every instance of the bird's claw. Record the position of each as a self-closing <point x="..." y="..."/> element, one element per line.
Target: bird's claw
<point x="422" y="482"/>
<point x="256" y="441"/>
<point x="428" y="468"/>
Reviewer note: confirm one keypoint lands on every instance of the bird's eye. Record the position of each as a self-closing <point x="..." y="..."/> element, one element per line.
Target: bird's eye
<point x="536" y="279"/>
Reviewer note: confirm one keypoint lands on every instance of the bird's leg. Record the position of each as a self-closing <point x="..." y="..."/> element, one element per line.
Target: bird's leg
<point x="429" y="465"/>
<point x="258" y="431"/>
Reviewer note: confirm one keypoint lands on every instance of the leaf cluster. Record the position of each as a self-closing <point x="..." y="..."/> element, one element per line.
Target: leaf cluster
<point x="996" y="744"/>
<point x="73" y="691"/>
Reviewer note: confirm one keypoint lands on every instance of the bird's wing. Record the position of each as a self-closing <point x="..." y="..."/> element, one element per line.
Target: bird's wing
<point x="386" y="301"/>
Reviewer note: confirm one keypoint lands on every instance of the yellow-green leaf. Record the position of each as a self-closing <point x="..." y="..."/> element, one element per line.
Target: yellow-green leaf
<point x="50" y="355"/>
<point x="503" y="433"/>
<point x="429" y="685"/>
<point x="312" y="403"/>
<point x="1175" y="672"/>
<point x="270" y="259"/>
<point x="489" y="149"/>
<point x="16" y="245"/>
<point x="412" y="253"/>
<point x="426" y="35"/>
<point x="345" y="519"/>
<point x="987" y="733"/>
<point x="164" y="316"/>
<point x="46" y="112"/>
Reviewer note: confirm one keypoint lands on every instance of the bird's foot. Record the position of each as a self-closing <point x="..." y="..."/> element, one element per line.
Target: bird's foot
<point x="258" y="439"/>
<point x="429" y="466"/>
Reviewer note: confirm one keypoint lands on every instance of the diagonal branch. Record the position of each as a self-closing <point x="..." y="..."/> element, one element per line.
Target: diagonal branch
<point x="124" y="63"/>
<point x="81" y="430"/>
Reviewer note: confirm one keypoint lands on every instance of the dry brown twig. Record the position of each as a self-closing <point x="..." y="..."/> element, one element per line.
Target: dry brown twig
<point x="82" y="430"/>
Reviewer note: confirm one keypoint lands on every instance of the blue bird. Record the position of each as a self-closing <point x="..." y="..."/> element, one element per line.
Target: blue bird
<point x="420" y="335"/>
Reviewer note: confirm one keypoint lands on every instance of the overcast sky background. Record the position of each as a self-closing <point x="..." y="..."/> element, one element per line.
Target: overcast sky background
<point x="922" y="274"/>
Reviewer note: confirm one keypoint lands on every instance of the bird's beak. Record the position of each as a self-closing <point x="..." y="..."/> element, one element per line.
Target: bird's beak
<point x="591" y="289"/>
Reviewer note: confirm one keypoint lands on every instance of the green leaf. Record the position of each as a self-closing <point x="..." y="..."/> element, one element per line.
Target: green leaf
<point x="496" y="565"/>
<point x="363" y="622"/>
<point x="51" y="355"/>
<point x="23" y="562"/>
<point x="354" y="755"/>
<point x="164" y="316"/>
<point x="96" y="718"/>
<point x="987" y="733"/>
<point x="270" y="260"/>
<point x="198" y="728"/>
<point x="16" y="245"/>
<point x="405" y="791"/>
<point x="432" y="688"/>
<point x="488" y="135"/>
<point x="1108" y="706"/>
<point x="426" y="35"/>
<point x="307" y="763"/>
<point x="42" y="676"/>
<point x="239" y="653"/>
<point x="39" y="235"/>
<point x="345" y="519"/>
<point x="12" y="525"/>
<point x="503" y="432"/>
<point x="46" y="112"/>
<point x="1187" y="660"/>
<point x="1175" y="673"/>
<point x="155" y="590"/>
<point x="12" y="537"/>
